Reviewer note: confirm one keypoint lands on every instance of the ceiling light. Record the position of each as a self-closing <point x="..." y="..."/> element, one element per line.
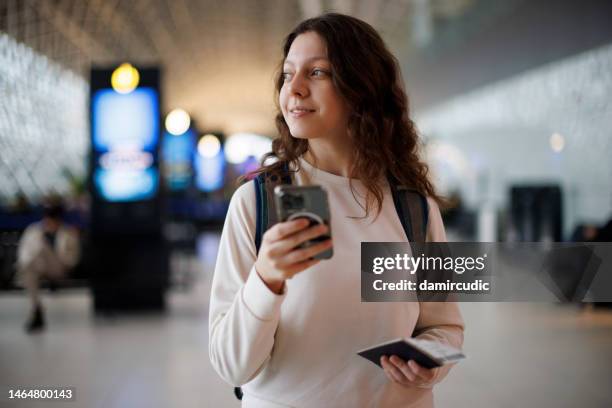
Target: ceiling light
<point x="177" y="122"/>
<point x="557" y="142"/>
<point x="209" y="146"/>
<point x="125" y="78"/>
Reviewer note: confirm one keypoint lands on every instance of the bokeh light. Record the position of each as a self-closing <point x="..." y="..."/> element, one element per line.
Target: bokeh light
<point x="557" y="142"/>
<point x="240" y="146"/>
<point x="177" y="122"/>
<point x="209" y="146"/>
<point x="125" y="78"/>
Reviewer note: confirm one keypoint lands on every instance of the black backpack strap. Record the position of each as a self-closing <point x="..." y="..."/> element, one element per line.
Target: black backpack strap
<point x="265" y="203"/>
<point x="413" y="211"/>
<point x="261" y="213"/>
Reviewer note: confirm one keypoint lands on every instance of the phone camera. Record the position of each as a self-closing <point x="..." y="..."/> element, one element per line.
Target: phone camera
<point x="293" y="202"/>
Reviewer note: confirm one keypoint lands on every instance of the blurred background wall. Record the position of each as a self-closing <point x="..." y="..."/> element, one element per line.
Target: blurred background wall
<point x="43" y="123"/>
<point x="506" y="93"/>
<point x="547" y="125"/>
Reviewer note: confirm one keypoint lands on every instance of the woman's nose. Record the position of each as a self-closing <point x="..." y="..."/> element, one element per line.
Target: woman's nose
<point x="298" y="86"/>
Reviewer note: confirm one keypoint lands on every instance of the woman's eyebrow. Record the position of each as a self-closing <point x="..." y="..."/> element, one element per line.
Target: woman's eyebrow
<point x="311" y="59"/>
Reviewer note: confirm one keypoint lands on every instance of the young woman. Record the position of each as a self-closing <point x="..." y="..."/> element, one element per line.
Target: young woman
<point x="286" y="327"/>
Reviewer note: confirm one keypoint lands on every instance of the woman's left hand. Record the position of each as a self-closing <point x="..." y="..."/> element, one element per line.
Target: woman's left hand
<point x="409" y="374"/>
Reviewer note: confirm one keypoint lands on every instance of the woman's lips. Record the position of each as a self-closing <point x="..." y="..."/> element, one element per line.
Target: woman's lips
<point x="300" y="112"/>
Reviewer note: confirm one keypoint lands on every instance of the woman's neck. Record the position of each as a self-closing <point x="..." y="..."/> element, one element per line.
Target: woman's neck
<point x="330" y="157"/>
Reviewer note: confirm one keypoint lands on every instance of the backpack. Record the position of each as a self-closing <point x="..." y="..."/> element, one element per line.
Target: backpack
<point x="411" y="206"/>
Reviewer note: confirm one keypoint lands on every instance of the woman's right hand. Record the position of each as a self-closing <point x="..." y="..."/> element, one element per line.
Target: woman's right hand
<point x="279" y="259"/>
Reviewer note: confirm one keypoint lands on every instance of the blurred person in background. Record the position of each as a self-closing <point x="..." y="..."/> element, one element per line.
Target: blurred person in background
<point x="286" y="326"/>
<point x="48" y="249"/>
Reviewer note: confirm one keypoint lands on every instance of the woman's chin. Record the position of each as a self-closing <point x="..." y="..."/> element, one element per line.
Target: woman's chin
<point x="301" y="134"/>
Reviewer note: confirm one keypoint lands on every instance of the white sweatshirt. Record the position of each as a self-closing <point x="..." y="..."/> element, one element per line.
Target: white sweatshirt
<point x="299" y="349"/>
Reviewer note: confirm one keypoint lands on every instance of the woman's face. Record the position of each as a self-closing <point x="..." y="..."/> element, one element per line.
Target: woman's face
<point x="311" y="105"/>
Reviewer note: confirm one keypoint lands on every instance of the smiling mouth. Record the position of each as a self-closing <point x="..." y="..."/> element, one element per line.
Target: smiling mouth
<point x="298" y="112"/>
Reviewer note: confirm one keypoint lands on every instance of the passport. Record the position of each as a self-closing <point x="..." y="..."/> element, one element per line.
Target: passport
<point x="427" y="353"/>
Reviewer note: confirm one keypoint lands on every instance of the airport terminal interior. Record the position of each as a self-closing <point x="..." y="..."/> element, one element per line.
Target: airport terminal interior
<point x="128" y="123"/>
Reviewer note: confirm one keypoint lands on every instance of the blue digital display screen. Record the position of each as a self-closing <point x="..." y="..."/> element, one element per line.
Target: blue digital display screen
<point x="125" y="120"/>
<point x="177" y="155"/>
<point x="126" y="185"/>
<point x="210" y="172"/>
<point x="125" y="136"/>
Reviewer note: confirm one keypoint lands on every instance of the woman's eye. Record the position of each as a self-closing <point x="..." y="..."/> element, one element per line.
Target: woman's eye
<point x="319" y="72"/>
<point x="287" y="76"/>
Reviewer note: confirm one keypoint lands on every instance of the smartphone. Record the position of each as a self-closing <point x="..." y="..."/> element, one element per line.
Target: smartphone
<point x="310" y="202"/>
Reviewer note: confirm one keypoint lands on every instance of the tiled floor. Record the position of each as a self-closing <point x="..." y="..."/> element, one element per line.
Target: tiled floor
<point x="146" y="361"/>
<point x="519" y="355"/>
<point x="532" y="355"/>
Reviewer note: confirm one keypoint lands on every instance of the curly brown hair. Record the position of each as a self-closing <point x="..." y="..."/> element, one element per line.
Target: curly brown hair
<point x="367" y="75"/>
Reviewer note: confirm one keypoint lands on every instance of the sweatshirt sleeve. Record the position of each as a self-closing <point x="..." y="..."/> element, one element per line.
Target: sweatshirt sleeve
<point x="439" y="321"/>
<point x="244" y="313"/>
